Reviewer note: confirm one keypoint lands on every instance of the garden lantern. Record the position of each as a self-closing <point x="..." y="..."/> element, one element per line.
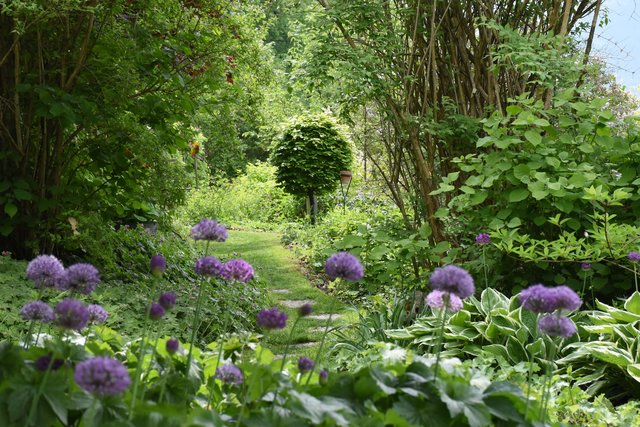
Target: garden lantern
<point x="345" y="180"/>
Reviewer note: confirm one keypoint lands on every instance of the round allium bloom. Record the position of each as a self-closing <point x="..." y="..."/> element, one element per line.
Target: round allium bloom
<point x="172" y="345"/>
<point x="557" y="326"/>
<point x="439" y="300"/>
<point x="238" y="270"/>
<point x="305" y="310"/>
<point x="483" y="239"/>
<point x="208" y="229"/>
<point x="37" y="310"/>
<point x="158" y="265"/>
<point x="633" y="256"/>
<point x="71" y="314"/>
<point x="81" y="278"/>
<point x="272" y="319"/>
<point x="209" y="266"/>
<point x="43" y="362"/>
<point x="454" y="280"/>
<point x="305" y="364"/>
<point x="102" y="376"/>
<point x="323" y="376"/>
<point x="585" y="266"/>
<point x="345" y="266"/>
<point x="97" y="314"/>
<point x="156" y="311"/>
<point x="229" y="374"/>
<point x="45" y="271"/>
<point x="167" y="300"/>
<point x="541" y="299"/>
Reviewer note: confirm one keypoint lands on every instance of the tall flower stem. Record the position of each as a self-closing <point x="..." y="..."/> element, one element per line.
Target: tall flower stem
<point x="251" y="384"/>
<point x="546" y="386"/>
<point x="196" y="318"/>
<point x="136" y="378"/>
<point x="324" y="336"/>
<point x="529" y="374"/>
<point x="220" y="351"/>
<point x="286" y="349"/>
<point x="148" y="370"/>
<point x="440" y="336"/>
<point x="484" y="266"/>
<point x="635" y="275"/>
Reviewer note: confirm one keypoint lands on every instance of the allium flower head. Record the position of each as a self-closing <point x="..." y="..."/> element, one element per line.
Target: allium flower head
<point x="229" y="374"/>
<point x="557" y="326"/>
<point x="633" y="256"/>
<point x="585" y="266"/>
<point x="305" y="364"/>
<point x="71" y="314"/>
<point x="345" y="266"/>
<point x="541" y="299"/>
<point x="305" y="310"/>
<point x="208" y="266"/>
<point x="158" y="265"/>
<point x="483" y="239"/>
<point x="81" y="278"/>
<point x="172" y="345"/>
<point x="167" y="300"/>
<point x="272" y="319"/>
<point x="37" y="310"/>
<point x="102" y="376"/>
<point x="208" y="229"/>
<point x="439" y="300"/>
<point x="238" y="270"/>
<point x="454" y="280"/>
<point x="45" y="271"/>
<point x="323" y="376"/>
<point x="156" y="311"/>
<point x="43" y="362"/>
<point x="97" y="314"/>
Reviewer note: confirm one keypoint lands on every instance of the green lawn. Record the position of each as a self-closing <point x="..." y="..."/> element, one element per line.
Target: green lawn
<point x="278" y="269"/>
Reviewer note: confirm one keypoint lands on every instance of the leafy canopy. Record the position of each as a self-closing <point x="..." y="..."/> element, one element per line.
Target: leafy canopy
<point x="310" y="155"/>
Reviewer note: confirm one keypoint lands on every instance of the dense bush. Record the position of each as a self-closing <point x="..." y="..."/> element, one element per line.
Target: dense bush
<point x="253" y="198"/>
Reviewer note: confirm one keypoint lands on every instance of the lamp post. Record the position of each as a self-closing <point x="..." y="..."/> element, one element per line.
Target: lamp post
<point x="345" y="180"/>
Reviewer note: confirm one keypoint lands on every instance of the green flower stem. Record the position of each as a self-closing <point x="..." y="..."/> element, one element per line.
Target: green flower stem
<point x="324" y="336"/>
<point x="529" y="374"/>
<point x="27" y="338"/>
<point x="441" y="335"/>
<point x="196" y="318"/>
<point x="484" y="267"/>
<point x="148" y="370"/>
<point x="286" y="349"/>
<point x="251" y="384"/>
<point x="91" y="417"/>
<point x="136" y="379"/>
<point x="635" y="276"/>
<point x="546" y="386"/>
<point x="220" y="351"/>
<point x="34" y="403"/>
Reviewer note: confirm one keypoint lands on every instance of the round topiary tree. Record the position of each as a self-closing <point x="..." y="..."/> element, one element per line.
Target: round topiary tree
<point x="309" y="155"/>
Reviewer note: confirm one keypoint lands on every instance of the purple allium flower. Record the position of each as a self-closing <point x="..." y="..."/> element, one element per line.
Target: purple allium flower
<point x="566" y="298"/>
<point x="42" y="363"/>
<point x="305" y="310"/>
<point x="238" y="270"/>
<point x="557" y="326"/>
<point x="345" y="266"/>
<point x="102" y="376"/>
<point x="45" y="271"/>
<point x="454" y="280"/>
<point x="305" y="364"/>
<point x="633" y="256"/>
<point x="209" y="266"/>
<point x="585" y="266"/>
<point x="167" y="300"/>
<point x="541" y="299"/>
<point x="71" y="314"/>
<point x="439" y="300"/>
<point x="229" y="374"/>
<point x="158" y="265"/>
<point x="81" y="278"/>
<point x="172" y="345"/>
<point x="272" y="319"/>
<point x="208" y="229"/>
<point x="323" y="376"/>
<point x="97" y="314"/>
<point x="156" y="312"/>
<point x="37" y="310"/>
<point x="483" y="239"/>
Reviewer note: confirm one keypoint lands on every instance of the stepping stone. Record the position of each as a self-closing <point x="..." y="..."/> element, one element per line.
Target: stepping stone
<point x="305" y="344"/>
<point x="296" y="303"/>
<point x="280" y="291"/>
<point x="324" y="316"/>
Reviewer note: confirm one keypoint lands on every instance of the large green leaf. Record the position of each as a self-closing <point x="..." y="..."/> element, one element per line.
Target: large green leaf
<point x="518" y="195"/>
<point x="632" y="303"/>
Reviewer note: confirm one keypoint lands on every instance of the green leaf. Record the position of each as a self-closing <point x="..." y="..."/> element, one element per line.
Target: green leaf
<point x="478" y="198"/>
<point x="10" y="209"/>
<point x="533" y="137"/>
<point x="632" y="304"/>
<point x="21" y="194"/>
<point x="518" y="195"/>
<point x="634" y="371"/>
<point x="522" y="173"/>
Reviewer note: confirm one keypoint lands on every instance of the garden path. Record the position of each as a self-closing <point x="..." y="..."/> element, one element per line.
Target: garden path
<point x="281" y="274"/>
